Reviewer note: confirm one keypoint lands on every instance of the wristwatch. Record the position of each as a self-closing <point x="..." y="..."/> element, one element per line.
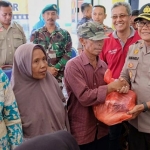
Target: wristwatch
<point x="145" y="107"/>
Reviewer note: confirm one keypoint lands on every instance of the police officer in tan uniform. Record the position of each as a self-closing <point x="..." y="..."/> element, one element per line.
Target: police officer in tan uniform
<point x="11" y="34"/>
<point x="136" y="71"/>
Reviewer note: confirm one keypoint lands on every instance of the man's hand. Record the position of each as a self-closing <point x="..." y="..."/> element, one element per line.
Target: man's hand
<point x="120" y="85"/>
<point x="53" y="71"/>
<point x="126" y="86"/>
<point x="136" y="111"/>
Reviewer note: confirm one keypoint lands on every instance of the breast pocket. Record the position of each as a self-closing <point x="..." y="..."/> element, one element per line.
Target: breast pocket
<point x="132" y="70"/>
<point x="18" y="40"/>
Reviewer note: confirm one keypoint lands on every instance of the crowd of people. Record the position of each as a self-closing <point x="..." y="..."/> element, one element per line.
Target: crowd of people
<point x="34" y="112"/>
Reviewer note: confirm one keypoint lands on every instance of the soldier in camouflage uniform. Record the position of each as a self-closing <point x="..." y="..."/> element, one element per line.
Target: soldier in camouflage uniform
<point x="56" y="41"/>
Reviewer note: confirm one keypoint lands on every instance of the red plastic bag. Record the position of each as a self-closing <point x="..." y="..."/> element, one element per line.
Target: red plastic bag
<point x="116" y="105"/>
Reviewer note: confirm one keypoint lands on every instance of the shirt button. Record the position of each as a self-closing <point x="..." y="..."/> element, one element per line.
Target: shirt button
<point x="97" y="124"/>
<point x="94" y="83"/>
<point x="9" y="46"/>
<point x="8" y="39"/>
<point x="9" y="52"/>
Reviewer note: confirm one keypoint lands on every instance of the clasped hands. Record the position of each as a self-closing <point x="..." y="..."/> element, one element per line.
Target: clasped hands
<point x="119" y="85"/>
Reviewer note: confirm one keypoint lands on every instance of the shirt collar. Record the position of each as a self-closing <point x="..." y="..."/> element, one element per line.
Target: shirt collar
<point x="56" y="28"/>
<point x="131" y="33"/>
<point x="86" y="60"/>
<point x="12" y="25"/>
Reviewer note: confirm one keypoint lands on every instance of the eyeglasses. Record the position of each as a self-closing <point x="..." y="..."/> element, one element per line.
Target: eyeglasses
<point x="122" y="16"/>
<point x="142" y="23"/>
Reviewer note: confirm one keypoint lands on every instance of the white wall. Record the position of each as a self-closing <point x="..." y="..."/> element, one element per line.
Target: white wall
<point x="143" y="2"/>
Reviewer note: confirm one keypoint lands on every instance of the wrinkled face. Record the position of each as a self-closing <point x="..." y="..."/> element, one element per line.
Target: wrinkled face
<point x="132" y="23"/>
<point x="98" y="14"/>
<point x="5" y="15"/>
<point x="92" y="47"/>
<point x="120" y="18"/>
<point x="50" y="17"/>
<point x="39" y="64"/>
<point x="144" y="30"/>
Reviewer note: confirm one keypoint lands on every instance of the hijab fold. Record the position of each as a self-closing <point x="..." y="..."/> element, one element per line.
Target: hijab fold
<point x="39" y="101"/>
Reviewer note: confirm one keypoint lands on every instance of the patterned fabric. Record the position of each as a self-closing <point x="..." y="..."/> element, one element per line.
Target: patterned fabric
<point x="91" y="30"/>
<point x="10" y="123"/>
<point x="107" y="30"/>
<point x="57" y="45"/>
<point x="83" y="20"/>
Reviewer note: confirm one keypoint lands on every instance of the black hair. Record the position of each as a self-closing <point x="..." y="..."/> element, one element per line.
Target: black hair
<point x="5" y="4"/>
<point x="84" y="5"/>
<point x="135" y="12"/>
<point x="101" y="7"/>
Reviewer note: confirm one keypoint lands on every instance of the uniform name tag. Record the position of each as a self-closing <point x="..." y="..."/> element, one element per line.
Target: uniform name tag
<point x="133" y="58"/>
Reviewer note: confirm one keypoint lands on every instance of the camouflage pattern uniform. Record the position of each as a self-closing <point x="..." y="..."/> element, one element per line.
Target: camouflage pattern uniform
<point x="92" y="30"/>
<point x="57" y="45"/>
<point x="107" y="31"/>
<point x="83" y="20"/>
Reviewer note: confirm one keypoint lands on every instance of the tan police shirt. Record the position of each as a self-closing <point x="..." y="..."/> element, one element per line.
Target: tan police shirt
<point x="10" y="40"/>
<point x="136" y="71"/>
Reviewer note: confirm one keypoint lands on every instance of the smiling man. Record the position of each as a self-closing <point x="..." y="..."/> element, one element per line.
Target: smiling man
<point x="56" y="41"/>
<point x="115" y="50"/>
<point x="136" y="71"/>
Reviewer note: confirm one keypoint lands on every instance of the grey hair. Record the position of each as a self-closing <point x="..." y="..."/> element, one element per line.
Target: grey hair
<point x="125" y="4"/>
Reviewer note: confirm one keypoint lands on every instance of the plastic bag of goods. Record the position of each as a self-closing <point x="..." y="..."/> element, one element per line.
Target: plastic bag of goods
<point x="116" y="105"/>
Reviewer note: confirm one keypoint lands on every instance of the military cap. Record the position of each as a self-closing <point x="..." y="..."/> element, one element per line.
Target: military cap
<point x="50" y="7"/>
<point x="91" y="30"/>
<point x="144" y="12"/>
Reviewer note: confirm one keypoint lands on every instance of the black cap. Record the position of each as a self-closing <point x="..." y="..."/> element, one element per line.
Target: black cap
<point x="144" y="12"/>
